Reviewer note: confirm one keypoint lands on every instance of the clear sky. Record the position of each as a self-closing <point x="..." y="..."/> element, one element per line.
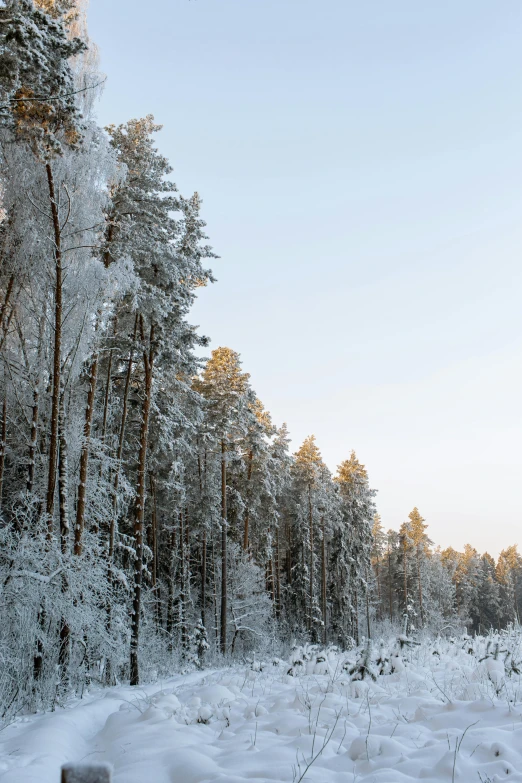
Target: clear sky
<point x="360" y="165"/>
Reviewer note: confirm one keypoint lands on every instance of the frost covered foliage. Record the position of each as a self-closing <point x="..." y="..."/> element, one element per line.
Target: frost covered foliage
<point x="152" y="518"/>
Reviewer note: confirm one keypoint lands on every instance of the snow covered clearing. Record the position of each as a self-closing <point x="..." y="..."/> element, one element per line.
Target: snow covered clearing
<point x="443" y="710"/>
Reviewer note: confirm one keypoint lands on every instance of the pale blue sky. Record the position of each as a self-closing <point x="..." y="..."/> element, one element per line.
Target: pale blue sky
<point x="361" y="166"/>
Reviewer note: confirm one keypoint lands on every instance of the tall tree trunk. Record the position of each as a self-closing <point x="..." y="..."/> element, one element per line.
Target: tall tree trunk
<point x="288" y="562"/>
<point x="278" y="575"/>
<point x="57" y="351"/>
<point x="419" y="581"/>
<point x="311" y="544"/>
<point x="5" y="303"/>
<point x="31" y="463"/>
<point x="224" y="523"/>
<point x="84" y="457"/>
<point x="154" y="529"/>
<point x="62" y="477"/>
<point x="170" y="590"/>
<point x="3" y="446"/>
<point x="5" y="323"/>
<point x="323" y="578"/>
<point x="390" y="590"/>
<point x="106" y="397"/>
<point x="270" y="580"/>
<point x="182" y="585"/>
<point x="247" y="510"/>
<point x="214" y="592"/>
<point x="139" y="514"/>
<point x="356" y="617"/>
<point x="34" y="438"/>
<point x="203" y="547"/>
<point x="405" y="585"/>
<point x="367" y="591"/>
<point x="121" y="440"/>
<point x="65" y="632"/>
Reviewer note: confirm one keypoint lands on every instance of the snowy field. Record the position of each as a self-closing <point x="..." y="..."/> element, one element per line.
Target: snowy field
<point x="439" y="711"/>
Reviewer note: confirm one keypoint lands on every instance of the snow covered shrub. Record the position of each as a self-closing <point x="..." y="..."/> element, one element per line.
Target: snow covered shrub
<point x="363" y="666"/>
<point x="54" y="636"/>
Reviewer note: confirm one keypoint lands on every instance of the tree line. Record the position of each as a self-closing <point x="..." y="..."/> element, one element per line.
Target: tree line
<point x="152" y="516"/>
<point x="414" y="581"/>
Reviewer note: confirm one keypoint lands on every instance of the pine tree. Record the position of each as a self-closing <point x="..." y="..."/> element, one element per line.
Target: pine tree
<point x="227" y="390"/>
<point x="353" y="544"/>
<point x="417" y="534"/>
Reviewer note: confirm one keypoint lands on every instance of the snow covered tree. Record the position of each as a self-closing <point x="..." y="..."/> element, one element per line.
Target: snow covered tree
<point x="227" y="391"/>
<point x="351" y="547"/>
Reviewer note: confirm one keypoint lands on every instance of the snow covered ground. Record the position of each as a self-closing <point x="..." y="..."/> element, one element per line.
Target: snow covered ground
<point x="440" y="711"/>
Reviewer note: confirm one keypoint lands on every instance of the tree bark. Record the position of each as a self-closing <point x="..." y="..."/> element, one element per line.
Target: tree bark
<point x="278" y="576"/>
<point x="203" y="547"/>
<point x="323" y="578"/>
<point x="405" y="565"/>
<point x="368" y="627"/>
<point x="3" y="446"/>
<point x="121" y="440"/>
<point x="224" y="593"/>
<point x="57" y="351"/>
<point x="182" y="585"/>
<point x="84" y="457"/>
<point x="170" y="590"/>
<point x="247" y="510"/>
<point x="390" y="591"/>
<point x="62" y="477"/>
<point x="420" y="587"/>
<point x="311" y="544"/>
<point x="65" y="632"/>
<point x="139" y="514"/>
<point x="106" y="397"/>
<point x="31" y="466"/>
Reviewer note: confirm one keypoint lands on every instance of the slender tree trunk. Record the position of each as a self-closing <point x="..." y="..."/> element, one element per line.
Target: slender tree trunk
<point x="121" y="440"/>
<point x="139" y="514"/>
<point x="323" y="578"/>
<point x="288" y="554"/>
<point x="31" y="464"/>
<point x="154" y="530"/>
<point x="65" y="632"/>
<point x="34" y="439"/>
<point x="270" y="586"/>
<point x="247" y="510"/>
<point x="390" y="590"/>
<point x="356" y="617"/>
<point x="420" y="587"/>
<point x="182" y="585"/>
<point x="203" y="546"/>
<point x="368" y="627"/>
<point x="62" y="477"/>
<point x="379" y="591"/>
<point x="224" y="523"/>
<point x="84" y="457"/>
<point x="57" y="351"/>
<point x="405" y="586"/>
<point x="5" y="323"/>
<point x="5" y="303"/>
<point x="311" y="544"/>
<point x="278" y="576"/>
<point x="3" y="446"/>
<point x="214" y="592"/>
<point x="106" y="397"/>
<point x="170" y="589"/>
<point x="203" y="578"/>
